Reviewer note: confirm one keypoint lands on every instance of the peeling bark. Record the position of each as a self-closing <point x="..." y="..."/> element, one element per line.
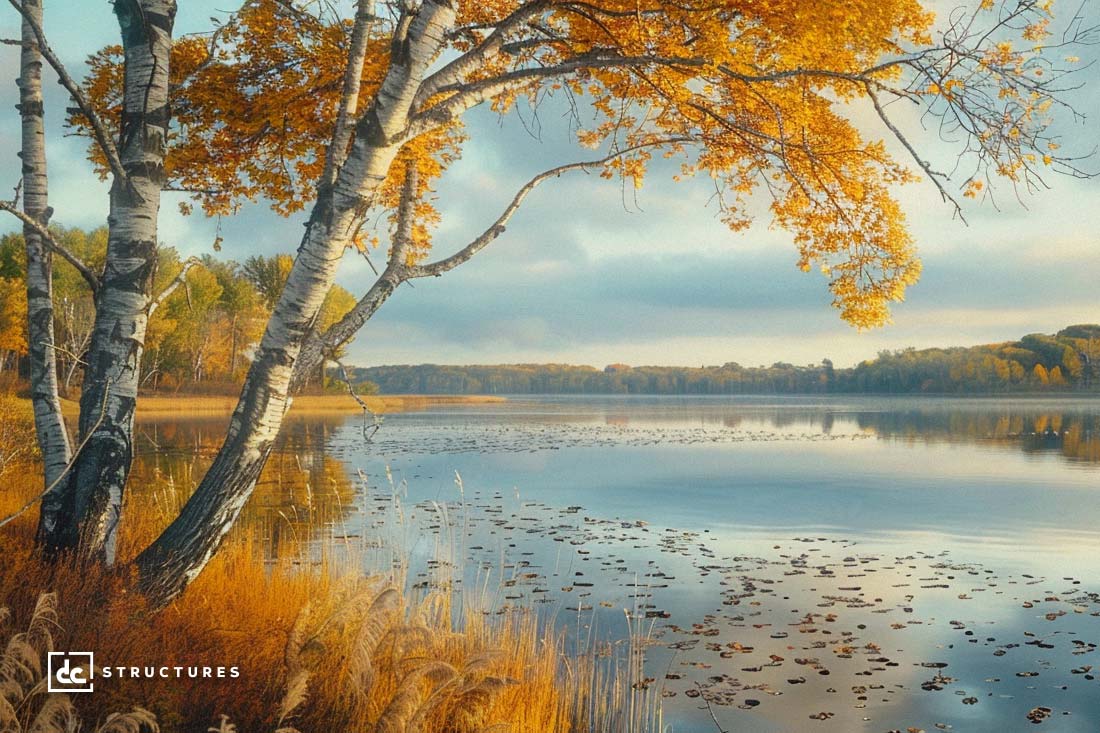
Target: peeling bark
<point x="53" y="440"/>
<point x="91" y="499"/>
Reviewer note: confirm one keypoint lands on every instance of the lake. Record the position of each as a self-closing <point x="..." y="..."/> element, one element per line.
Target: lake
<point x="790" y="564"/>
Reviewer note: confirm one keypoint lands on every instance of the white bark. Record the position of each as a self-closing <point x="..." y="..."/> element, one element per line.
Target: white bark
<point x="53" y="440"/>
<point x="349" y="102"/>
<point x="187" y="545"/>
<point x="93" y="495"/>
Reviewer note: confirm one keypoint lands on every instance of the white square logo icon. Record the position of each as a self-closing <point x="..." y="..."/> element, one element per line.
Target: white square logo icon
<point x="70" y="671"/>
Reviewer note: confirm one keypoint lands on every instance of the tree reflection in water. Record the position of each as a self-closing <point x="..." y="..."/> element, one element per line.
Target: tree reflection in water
<point x="301" y="493"/>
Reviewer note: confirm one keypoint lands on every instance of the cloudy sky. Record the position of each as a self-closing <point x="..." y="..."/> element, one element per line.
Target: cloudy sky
<point x="583" y="276"/>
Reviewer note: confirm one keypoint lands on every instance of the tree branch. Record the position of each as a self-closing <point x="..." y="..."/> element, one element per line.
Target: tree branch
<point x="406" y="214"/>
<point x="178" y="280"/>
<point x="435" y="269"/>
<point x="469" y="95"/>
<point x="376" y="419"/>
<point x="47" y="236"/>
<point x="923" y="164"/>
<point x="102" y="136"/>
<point x="349" y="101"/>
<point x="475" y="58"/>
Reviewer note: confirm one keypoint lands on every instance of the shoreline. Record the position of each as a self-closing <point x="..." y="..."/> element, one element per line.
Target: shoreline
<point x="341" y="404"/>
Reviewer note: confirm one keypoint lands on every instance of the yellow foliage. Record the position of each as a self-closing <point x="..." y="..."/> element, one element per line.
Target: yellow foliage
<point x="13" y="316"/>
<point x="755" y="95"/>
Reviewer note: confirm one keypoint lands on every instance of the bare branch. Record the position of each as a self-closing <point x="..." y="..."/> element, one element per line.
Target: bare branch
<point x="178" y="280"/>
<point x="102" y="136"/>
<point x="51" y="242"/>
<point x="435" y="269"/>
<point x="921" y="162"/>
<point x="376" y="419"/>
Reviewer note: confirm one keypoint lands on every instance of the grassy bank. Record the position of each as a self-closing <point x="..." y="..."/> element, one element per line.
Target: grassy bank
<point x="319" y="645"/>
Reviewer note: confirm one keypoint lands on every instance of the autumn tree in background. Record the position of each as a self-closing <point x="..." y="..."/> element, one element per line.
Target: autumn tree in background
<point x="13" y="322"/>
<point x="354" y="119"/>
<point x="13" y="303"/>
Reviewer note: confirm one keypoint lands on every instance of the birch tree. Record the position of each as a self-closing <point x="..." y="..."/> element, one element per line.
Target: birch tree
<point x="355" y="119"/>
<point x="53" y="440"/>
<point x="82" y="509"/>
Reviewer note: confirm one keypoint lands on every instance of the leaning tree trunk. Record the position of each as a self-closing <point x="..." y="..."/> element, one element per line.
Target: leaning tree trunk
<point x="92" y="498"/>
<point x="53" y="440"/>
<point x="176" y="557"/>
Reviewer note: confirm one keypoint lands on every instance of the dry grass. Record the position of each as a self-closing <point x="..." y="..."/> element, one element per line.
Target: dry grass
<point x="25" y="705"/>
<point x="17" y="442"/>
<point x="319" y="647"/>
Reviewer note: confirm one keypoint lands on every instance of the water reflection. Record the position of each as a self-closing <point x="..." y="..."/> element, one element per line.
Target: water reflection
<point x="306" y="486"/>
<point x="808" y="558"/>
<point x="1072" y="432"/>
<point x="301" y="492"/>
<point x="1070" y="428"/>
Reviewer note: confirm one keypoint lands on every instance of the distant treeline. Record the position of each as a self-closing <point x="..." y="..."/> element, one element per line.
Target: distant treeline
<point x="1068" y="360"/>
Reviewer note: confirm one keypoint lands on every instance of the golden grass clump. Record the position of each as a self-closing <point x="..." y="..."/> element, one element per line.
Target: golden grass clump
<point x="318" y="646"/>
<point x="25" y="705"/>
<point x="17" y="443"/>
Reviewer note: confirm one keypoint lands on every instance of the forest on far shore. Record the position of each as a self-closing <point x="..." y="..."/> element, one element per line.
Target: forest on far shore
<point x="201" y="340"/>
<point x="1066" y="361"/>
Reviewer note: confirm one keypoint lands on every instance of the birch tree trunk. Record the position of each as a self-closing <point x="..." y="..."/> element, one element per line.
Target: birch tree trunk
<point x="53" y="440"/>
<point x="92" y="498"/>
<point x="176" y="557"/>
<point x="313" y="353"/>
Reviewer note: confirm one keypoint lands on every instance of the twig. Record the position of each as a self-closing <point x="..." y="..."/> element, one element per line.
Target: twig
<point x="75" y="357"/>
<point x="375" y="418"/>
<point x="710" y="709"/>
<point x="924" y="165"/>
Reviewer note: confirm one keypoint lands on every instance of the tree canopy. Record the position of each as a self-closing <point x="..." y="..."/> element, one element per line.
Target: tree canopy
<point x="757" y="96"/>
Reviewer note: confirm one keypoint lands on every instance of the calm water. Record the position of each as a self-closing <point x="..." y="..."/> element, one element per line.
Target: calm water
<point x="847" y="565"/>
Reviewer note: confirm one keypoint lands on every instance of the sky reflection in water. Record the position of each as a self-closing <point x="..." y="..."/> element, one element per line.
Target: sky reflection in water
<point x="868" y="539"/>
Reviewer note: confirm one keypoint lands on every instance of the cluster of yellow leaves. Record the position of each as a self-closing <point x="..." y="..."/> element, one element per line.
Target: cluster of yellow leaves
<point x="254" y="111"/>
<point x="760" y="128"/>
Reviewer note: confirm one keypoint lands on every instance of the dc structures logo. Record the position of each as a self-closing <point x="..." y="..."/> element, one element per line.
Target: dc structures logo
<point x="70" y="671"/>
